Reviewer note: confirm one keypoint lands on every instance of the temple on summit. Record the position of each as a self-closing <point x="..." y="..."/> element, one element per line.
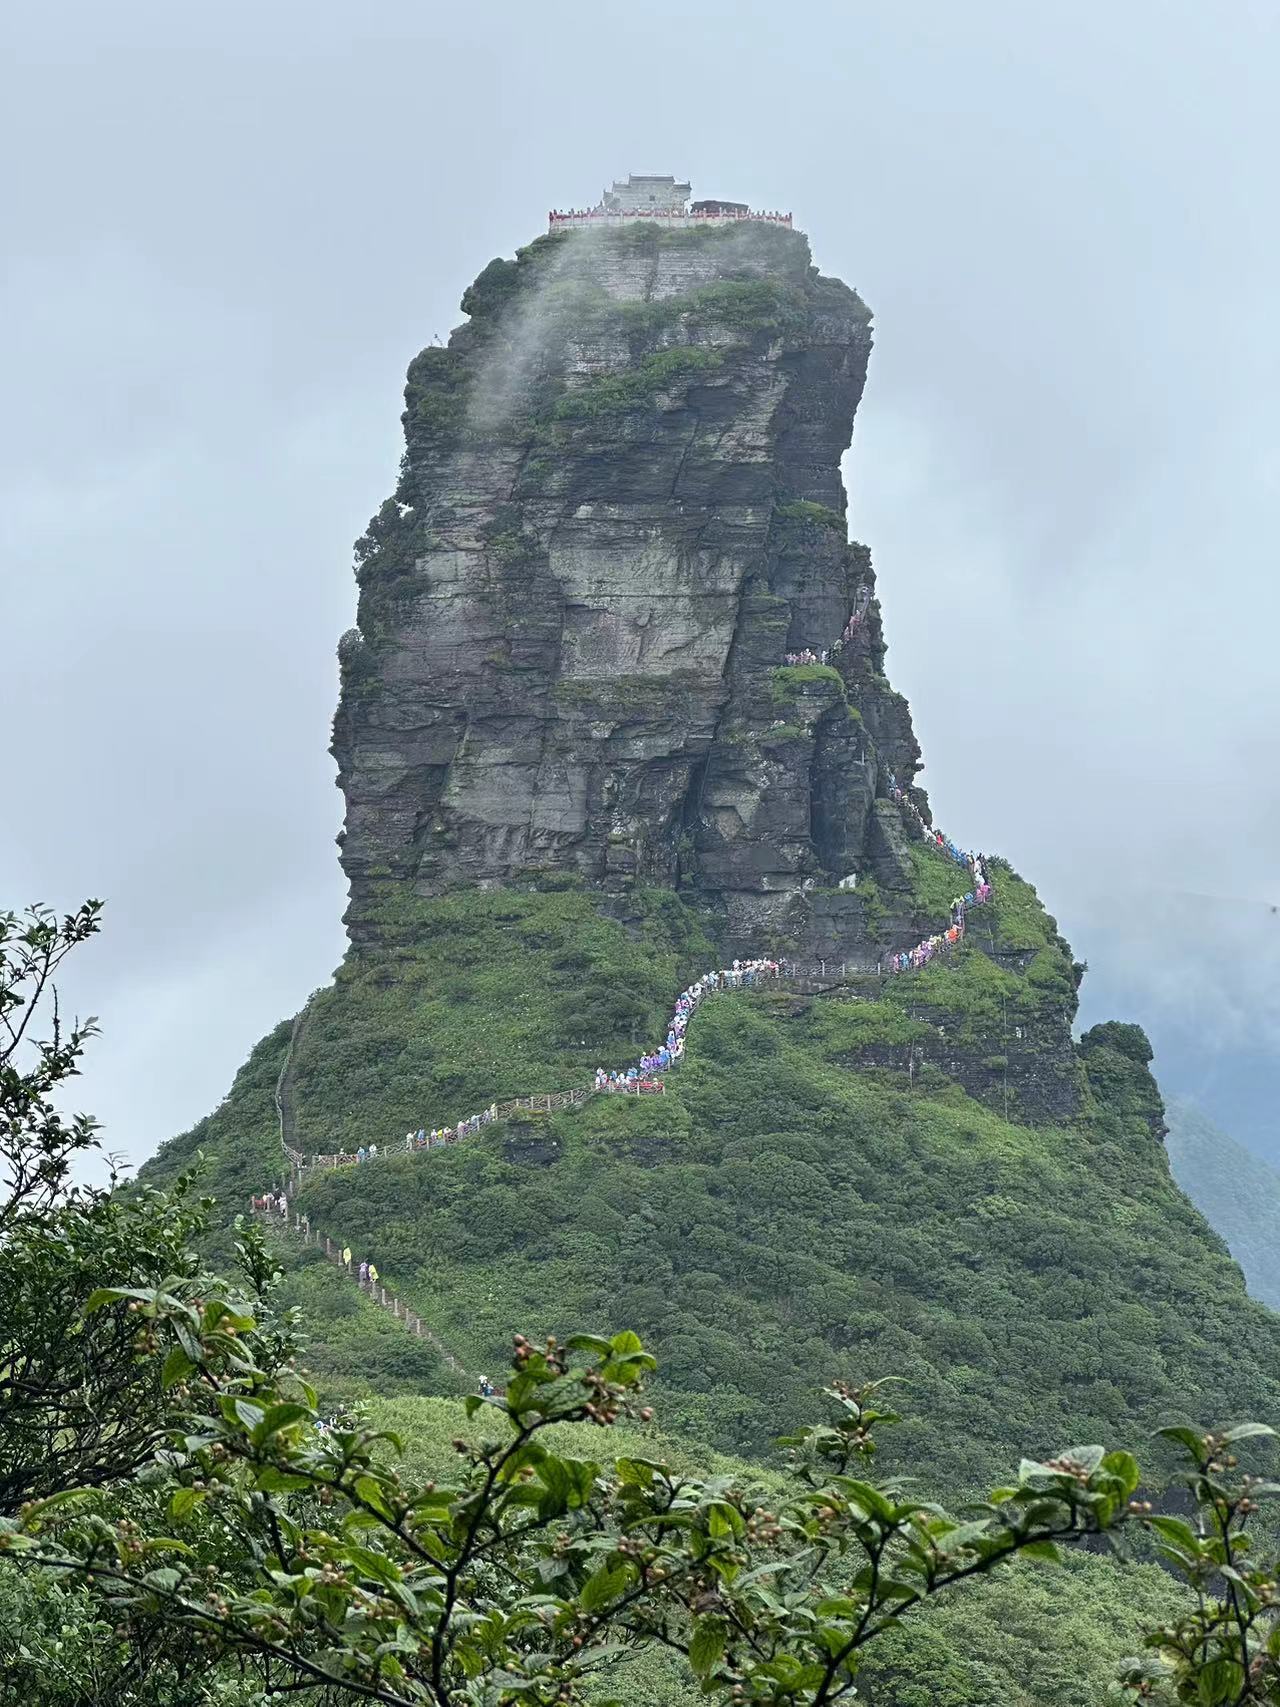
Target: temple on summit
<point x="646" y="195"/>
<point x="660" y="199"/>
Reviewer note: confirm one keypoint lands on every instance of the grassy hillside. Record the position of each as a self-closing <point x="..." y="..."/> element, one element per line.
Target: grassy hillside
<point x="777" y="1218"/>
<point x="816" y="1195"/>
<point x="482" y="996"/>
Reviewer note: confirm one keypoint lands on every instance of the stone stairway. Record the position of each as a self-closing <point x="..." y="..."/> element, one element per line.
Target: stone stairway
<point x="298" y="1229"/>
<point x="854" y="980"/>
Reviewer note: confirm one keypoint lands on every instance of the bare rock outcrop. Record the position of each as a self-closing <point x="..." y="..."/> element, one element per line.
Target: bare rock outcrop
<point x="620" y="509"/>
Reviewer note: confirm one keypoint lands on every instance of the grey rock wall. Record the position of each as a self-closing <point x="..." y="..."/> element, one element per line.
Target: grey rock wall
<point x="620" y="506"/>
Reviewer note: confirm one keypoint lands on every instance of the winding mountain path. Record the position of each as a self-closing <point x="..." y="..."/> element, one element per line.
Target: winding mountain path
<point x="808" y="979"/>
<point x="298" y="1228"/>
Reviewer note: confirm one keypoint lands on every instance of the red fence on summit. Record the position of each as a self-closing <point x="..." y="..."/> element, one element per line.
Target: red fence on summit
<point x="565" y="219"/>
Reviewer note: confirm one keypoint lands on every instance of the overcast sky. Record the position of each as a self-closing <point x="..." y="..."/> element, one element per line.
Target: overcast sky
<point x="226" y="233"/>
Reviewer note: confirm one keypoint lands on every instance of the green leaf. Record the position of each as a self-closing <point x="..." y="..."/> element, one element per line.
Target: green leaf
<point x="723" y="1519"/>
<point x="638" y="1472"/>
<point x="242" y="1411"/>
<point x="1048" y="1550"/>
<point x="1088" y="1457"/>
<point x="373" y="1564"/>
<point x="557" y="1486"/>
<point x="623" y="1344"/>
<point x="1124" y="1466"/>
<point x="710" y="1638"/>
<point x="530" y="1453"/>
<point x="165" y="1579"/>
<point x="107" y="1295"/>
<point x="604" y="1585"/>
<point x="591" y="1342"/>
<point x="871" y="1500"/>
<point x="184" y="1502"/>
<point x="962" y="1536"/>
<point x="1184" y="1436"/>
<point x="1221" y="1680"/>
<point x="59" y="1501"/>
<point x="1246" y="1431"/>
<point x="838" y="1607"/>
<point x="270" y="1480"/>
<point x="1175" y="1530"/>
<point x="520" y="1390"/>
<point x="278" y="1417"/>
<point x="435" y="1502"/>
<point x="176" y="1365"/>
<point x="582" y="1476"/>
<point x="370" y="1491"/>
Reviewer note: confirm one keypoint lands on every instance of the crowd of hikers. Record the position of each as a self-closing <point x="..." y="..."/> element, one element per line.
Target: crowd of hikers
<point x="861" y="605"/>
<point x="646" y="1075"/>
<point x="364" y="1272"/>
<point x="424" y="1140"/>
<point x="642" y="1079"/>
<point x="911" y="959"/>
<point x="743" y="974"/>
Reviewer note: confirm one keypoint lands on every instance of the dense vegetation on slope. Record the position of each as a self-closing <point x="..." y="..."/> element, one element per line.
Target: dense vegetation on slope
<point x="816" y="1195"/>
<point x="777" y="1218"/>
<point x="483" y="996"/>
<point x="212" y="1373"/>
<point x="1234" y="1190"/>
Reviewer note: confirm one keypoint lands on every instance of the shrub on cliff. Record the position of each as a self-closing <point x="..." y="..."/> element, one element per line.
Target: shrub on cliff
<point x="801" y="510"/>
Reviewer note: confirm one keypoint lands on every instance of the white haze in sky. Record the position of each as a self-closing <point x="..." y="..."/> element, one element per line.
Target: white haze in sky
<point x="225" y="235"/>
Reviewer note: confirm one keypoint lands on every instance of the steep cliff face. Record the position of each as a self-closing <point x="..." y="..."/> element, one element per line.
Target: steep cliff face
<point x="620" y="508"/>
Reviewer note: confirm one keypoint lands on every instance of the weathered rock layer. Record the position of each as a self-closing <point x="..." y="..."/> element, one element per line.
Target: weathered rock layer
<point x="620" y="508"/>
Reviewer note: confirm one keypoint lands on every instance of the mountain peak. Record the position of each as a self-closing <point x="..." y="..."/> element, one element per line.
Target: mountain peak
<point x="611" y="624"/>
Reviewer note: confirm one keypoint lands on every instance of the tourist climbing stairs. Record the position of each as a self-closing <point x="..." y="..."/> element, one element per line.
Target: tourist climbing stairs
<point x="298" y="1229"/>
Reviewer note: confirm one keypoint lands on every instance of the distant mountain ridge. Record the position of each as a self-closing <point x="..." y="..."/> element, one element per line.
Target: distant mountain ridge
<point x="1237" y="1194"/>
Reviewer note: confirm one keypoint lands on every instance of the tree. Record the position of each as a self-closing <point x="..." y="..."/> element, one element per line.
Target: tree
<point x="1225" y="1651"/>
<point x="81" y="1402"/>
<point x="36" y="1142"/>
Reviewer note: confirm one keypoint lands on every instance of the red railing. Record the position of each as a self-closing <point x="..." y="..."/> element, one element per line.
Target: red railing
<point x="558" y="219"/>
